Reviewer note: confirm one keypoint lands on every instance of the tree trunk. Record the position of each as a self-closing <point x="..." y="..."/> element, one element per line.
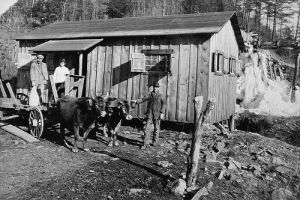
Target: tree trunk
<point x="293" y="96"/>
<point x="274" y="21"/>
<point x="298" y="21"/>
<point x="259" y="19"/>
<point x="280" y="31"/>
<point x="267" y="24"/>
<point x="193" y="159"/>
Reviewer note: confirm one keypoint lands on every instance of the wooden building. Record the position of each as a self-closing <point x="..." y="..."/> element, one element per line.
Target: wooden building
<point x="190" y="55"/>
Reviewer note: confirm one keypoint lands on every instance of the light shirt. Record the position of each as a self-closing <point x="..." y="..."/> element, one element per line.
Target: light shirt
<point x="60" y="74"/>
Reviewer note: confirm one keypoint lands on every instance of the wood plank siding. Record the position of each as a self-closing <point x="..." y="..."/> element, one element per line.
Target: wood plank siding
<point x="113" y="72"/>
<point x="107" y="67"/>
<point x="23" y="83"/>
<point x="223" y="87"/>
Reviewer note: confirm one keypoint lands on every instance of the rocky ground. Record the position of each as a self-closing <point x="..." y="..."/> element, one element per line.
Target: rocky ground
<point x="237" y="165"/>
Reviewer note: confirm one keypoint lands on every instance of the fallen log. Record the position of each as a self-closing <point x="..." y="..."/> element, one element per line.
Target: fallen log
<point x="193" y="159"/>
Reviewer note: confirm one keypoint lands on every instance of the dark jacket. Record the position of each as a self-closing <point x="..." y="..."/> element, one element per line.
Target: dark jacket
<point x="155" y="105"/>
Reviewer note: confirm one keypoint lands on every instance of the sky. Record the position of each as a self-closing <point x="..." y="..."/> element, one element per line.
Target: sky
<point x="5" y="4"/>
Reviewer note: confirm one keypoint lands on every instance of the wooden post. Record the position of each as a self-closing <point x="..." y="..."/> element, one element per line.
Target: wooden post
<point x="293" y="95"/>
<point x="80" y="64"/>
<point x="231" y="123"/>
<point x="193" y="159"/>
<point x="67" y="85"/>
<point x="80" y="87"/>
<point x="54" y="91"/>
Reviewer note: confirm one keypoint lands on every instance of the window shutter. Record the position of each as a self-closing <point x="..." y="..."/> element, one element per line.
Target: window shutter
<point x="138" y="62"/>
<point x="214" y="62"/>
<point x="221" y="62"/>
<point x="226" y="65"/>
<point x="234" y="66"/>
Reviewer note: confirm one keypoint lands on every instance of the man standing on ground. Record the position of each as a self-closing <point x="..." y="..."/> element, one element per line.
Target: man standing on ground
<point x="39" y="75"/>
<point x="154" y="114"/>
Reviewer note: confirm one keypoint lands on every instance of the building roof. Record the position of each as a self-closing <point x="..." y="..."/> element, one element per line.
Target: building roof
<point x="211" y="22"/>
<point x="66" y="45"/>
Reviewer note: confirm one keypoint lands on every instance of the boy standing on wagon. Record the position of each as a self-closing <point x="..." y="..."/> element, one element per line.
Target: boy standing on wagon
<point x="154" y="114"/>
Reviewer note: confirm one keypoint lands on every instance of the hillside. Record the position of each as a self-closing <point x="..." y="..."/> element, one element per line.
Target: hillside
<point x="30" y="14"/>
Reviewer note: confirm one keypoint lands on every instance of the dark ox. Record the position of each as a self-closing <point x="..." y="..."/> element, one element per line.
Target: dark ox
<point x="116" y="110"/>
<point x="79" y="114"/>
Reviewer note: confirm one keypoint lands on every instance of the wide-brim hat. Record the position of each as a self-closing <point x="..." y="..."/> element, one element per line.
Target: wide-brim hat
<point x="40" y="56"/>
<point x="156" y="84"/>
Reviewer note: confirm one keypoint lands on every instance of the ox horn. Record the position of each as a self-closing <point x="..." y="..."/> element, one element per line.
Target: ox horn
<point x="92" y="95"/>
<point x="106" y="97"/>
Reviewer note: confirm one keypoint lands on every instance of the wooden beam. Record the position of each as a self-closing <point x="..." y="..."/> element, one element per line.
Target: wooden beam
<point x="193" y="159"/>
<point x="2" y="89"/>
<point x="67" y="85"/>
<point x="80" y="87"/>
<point x="157" y="51"/>
<point x="80" y="64"/>
<point x="293" y="95"/>
<point x="54" y="91"/>
<point x="18" y="132"/>
<point x="8" y="118"/>
<point x="12" y="95"/>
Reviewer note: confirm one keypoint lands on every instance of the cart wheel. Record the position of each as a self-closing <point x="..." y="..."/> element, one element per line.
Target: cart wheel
<point x="36" y="122"/>
<point x="24" y="99"/>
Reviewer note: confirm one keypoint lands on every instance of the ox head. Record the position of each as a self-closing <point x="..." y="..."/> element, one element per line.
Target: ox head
<point x="120" y="107"/>
<point x="99" y="104"/>
<point x="125" y="107"/>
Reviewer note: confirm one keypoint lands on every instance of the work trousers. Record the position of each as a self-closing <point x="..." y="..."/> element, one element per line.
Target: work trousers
<point x="148" y="130"/>
<point x="41" y="91"/>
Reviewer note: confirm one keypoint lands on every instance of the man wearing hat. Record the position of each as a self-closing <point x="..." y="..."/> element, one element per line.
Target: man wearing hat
<point x="39" y="75"/>
<point x="154" y="114"/>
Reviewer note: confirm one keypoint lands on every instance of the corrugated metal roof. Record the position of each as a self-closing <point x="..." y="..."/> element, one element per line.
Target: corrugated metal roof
<point x="66" y="45"/>
<point x="137" y="26"/>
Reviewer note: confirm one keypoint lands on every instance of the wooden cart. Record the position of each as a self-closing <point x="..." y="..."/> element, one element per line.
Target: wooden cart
<point x="17" y="105"/>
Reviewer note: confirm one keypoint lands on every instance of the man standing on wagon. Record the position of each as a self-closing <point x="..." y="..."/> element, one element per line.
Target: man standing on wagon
<point x="154" y="114"/>
<point x="39" y="75"/>
<point x="59" y="76"/>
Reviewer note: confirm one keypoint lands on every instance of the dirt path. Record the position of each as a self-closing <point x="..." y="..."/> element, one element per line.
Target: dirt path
<point x="46" y="170"/>
<point x="23" y="164"/>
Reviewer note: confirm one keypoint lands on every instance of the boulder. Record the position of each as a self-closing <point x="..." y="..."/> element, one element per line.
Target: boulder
<point x="283" y="170"/>
<point x="126" y="132"/>
<point x="171" y="142"/>
<point x="282" y="194"/>
<point x="277" y="161"/>
<point x="203" y="191"/>
<point x="178" y="187"/>
<point x="183" y="175"/>
<point x="218" y="147"/>
<point x="164" y="164"/>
